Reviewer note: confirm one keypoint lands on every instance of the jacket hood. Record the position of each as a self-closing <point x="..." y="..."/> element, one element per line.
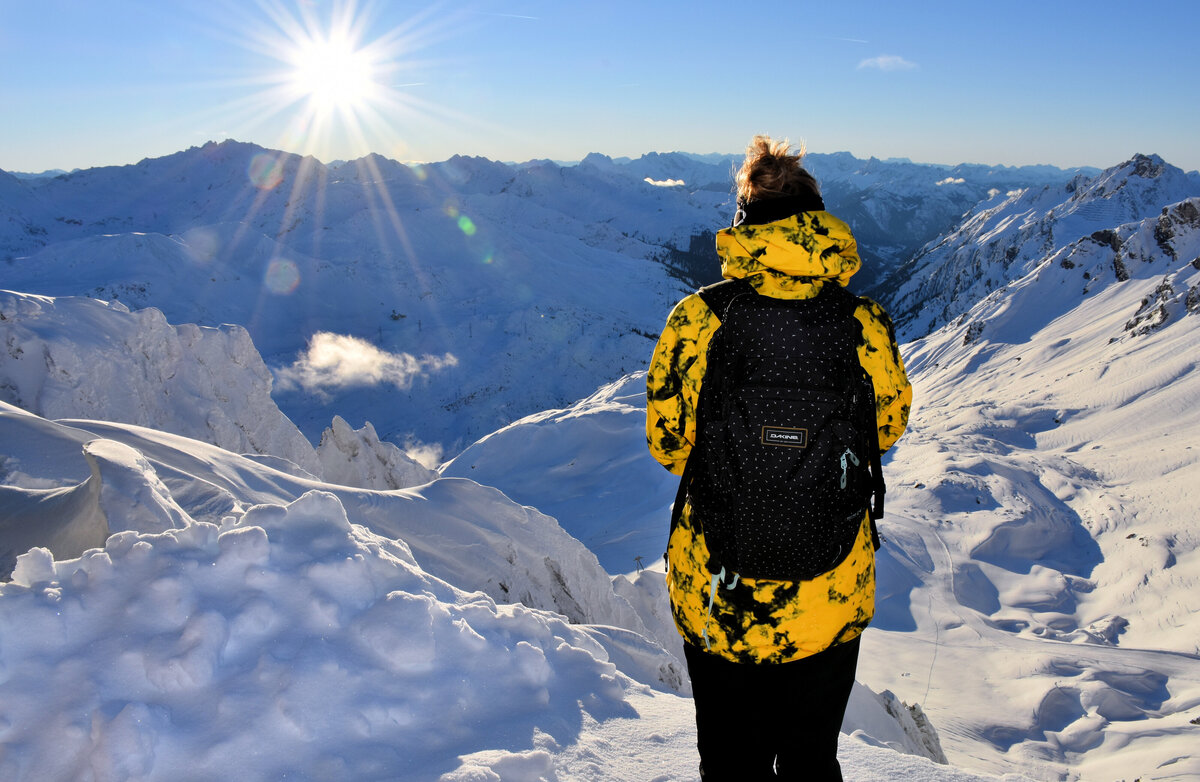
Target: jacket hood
<point x="792" y="257"/>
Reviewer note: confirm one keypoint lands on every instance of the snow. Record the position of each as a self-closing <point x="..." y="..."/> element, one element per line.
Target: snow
<point x="1045" y="482"/>
<point x="287" y="641"/>
<point x="88" y="358"/>
<point x="284" y="645"/>
<point x="609" y="494"/>
<point x="197" y="593"/>
<point x="359" y="458"/>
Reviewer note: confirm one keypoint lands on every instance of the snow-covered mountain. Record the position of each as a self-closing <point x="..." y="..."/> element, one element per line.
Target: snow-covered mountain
<point x="1038" y="582"/>
<point x="1047" y="481"/>
<point x="895" y="206"/>
<point x="85" y="358"/>
<point x="455" y="282"/>
<point x="1006" y="236"/>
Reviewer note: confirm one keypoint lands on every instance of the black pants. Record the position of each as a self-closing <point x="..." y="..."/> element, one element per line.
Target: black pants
<point x="771" y="722"/>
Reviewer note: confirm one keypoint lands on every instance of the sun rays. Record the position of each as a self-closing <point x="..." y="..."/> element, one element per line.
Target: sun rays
<point x="338" y="83"/>
<point x="337" y="80"/>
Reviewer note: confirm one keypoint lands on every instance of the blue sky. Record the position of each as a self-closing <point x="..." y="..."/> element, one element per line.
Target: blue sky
<point x="1065" y="83"/>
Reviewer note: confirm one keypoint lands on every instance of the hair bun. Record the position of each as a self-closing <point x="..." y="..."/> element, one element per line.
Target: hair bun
<point x="772" y="170"/>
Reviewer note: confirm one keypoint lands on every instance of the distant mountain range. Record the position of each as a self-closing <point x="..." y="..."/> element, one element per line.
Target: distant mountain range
<point x="470" y="274"/>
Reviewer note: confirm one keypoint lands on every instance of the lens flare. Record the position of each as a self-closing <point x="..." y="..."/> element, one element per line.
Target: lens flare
<point x="466" y="225"/>
<point x="201" y="245"/>
<point x="332" y="80"/>
<point x="282" y="277"/>
<point x="265" y="171"/>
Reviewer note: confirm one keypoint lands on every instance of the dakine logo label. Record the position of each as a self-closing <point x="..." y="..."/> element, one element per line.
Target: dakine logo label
<point x="785" y="436"/>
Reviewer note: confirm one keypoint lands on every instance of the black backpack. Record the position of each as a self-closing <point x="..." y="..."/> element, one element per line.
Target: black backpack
<point x="786" y="457"/>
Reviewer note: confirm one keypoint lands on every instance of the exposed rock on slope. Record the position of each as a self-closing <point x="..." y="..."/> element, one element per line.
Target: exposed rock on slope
<point x="1006" y="237"/>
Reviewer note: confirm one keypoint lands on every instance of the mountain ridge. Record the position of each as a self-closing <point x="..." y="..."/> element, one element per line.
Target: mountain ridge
<point x="259" y="237"/>
<point x="1000" y="238"/>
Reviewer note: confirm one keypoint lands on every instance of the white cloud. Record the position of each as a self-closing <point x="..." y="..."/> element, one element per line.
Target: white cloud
<point x="950" y="181"/>
<point x="339" y="360"/>
<point x="428" y="455"/>
<point x="665" y="182"/>
<point x="887" y="62"/>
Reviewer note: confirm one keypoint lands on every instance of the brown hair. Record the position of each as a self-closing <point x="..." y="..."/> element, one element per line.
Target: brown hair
<point x="770" y="170"/>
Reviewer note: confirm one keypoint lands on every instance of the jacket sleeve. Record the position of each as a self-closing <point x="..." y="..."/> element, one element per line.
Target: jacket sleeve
<point x="673" y="382"/>
<point x="880" y="356"/>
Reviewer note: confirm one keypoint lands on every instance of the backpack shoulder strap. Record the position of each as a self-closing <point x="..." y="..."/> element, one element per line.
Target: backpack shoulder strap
<point x="846" y="299"/>
<point x="720" y="295"/>
<point x="850" y="304"/>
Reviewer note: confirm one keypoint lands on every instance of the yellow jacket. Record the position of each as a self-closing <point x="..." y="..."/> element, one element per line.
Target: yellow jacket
<point x="762" y="620"/>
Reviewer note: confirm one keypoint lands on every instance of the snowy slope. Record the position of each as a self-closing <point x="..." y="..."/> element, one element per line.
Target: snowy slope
<point x="1040" y="518"/>
<point x="605" y="493"/>
<point x="588" y="466"/>
<point x="1006" y="236"/>
<point x="227" y="630"/>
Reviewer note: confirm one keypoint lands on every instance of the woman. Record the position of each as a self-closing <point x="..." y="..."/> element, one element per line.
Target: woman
<point x="772" y="662"/>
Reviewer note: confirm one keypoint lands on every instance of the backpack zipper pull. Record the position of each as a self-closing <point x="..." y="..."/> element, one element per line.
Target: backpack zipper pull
<point x="852" y="458"/>
<point x="718" y="578"/>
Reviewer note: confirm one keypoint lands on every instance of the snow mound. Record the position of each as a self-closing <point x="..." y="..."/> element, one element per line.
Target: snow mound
<point x="287" y="644"/>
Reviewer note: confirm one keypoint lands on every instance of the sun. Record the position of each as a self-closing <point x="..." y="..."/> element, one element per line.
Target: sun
<point x="334" y="74"/>
<point x="332" y="79"/>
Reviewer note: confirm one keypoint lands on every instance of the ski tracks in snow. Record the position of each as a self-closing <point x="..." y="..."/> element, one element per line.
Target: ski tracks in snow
<point x="999" y="537"/>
